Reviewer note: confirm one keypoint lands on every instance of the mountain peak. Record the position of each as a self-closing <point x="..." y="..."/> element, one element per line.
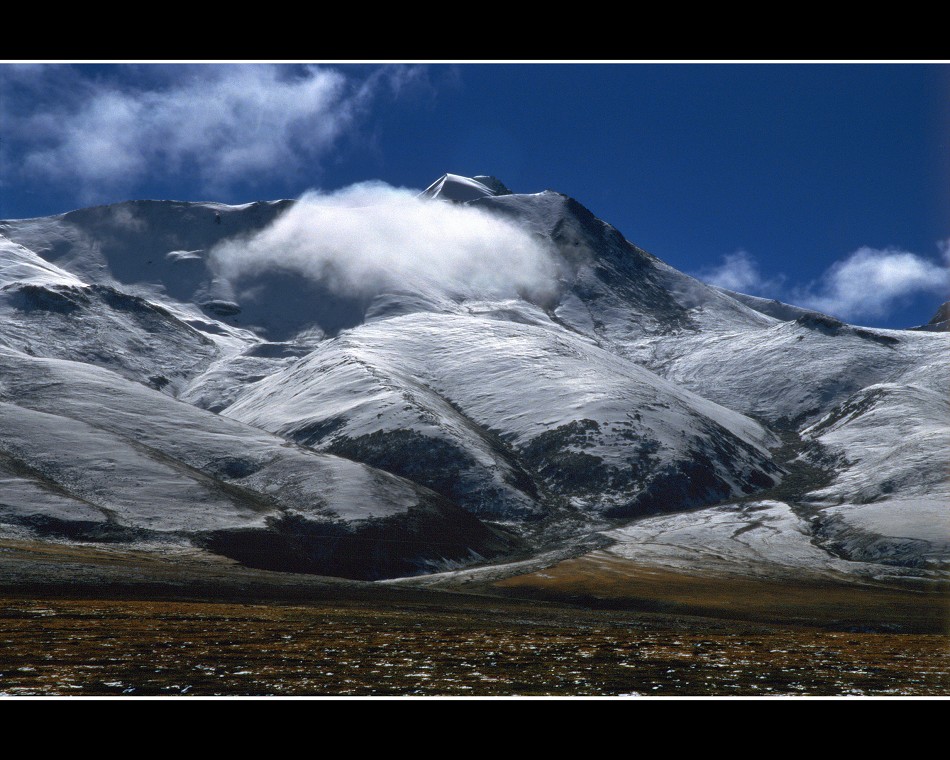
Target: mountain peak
<point x="493" y="183"/>
<point x="940" y="321"/>
<point x="459" y="189"/>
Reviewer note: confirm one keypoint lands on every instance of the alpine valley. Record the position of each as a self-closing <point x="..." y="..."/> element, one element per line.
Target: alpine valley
<point x="246" y="388"/>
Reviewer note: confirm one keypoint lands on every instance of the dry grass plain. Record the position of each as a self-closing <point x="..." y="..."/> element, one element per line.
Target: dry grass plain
<point x="132" y="626"/>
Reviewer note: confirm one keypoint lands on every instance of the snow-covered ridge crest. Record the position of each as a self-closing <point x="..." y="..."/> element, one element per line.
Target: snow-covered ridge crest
<point x="21" y="265"/>
<point x="459" y="189"/>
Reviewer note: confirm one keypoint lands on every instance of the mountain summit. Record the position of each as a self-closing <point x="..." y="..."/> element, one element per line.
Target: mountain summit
<point x="454" y="187"/>
<point x="388" y="386"/>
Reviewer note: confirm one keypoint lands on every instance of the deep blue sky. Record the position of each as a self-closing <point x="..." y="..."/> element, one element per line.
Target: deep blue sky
<point x="821" y="184"/>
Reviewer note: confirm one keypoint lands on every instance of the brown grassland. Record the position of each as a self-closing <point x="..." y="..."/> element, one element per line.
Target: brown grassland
<point x="90" y="622"/>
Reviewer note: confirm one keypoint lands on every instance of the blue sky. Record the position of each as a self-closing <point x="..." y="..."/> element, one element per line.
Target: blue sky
<point x="826" y="185"/>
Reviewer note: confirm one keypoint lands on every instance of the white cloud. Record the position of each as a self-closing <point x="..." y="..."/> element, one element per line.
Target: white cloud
<point x="871" y="282"/>
<point x="739" y="272"/>
<point x="372" y="238"/>
<point x="216" y="123"/>
<point x="868" y="284"/>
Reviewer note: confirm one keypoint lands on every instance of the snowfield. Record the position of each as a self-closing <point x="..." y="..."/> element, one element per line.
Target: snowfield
<point x="597" y="427"/>
<point x="140" y="465"/>
<point x="152" y="390"/>
<point x="769" y="539"/>
<point x="756" y="538"/>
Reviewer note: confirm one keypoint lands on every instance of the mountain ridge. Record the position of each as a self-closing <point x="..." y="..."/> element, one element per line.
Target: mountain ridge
<point x="625" y="390"/>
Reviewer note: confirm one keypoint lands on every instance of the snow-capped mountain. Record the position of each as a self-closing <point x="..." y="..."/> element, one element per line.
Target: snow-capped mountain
<point x="245" y="380"/>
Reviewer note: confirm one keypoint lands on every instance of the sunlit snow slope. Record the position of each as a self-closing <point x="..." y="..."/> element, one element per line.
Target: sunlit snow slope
<point x="506" y="373"/>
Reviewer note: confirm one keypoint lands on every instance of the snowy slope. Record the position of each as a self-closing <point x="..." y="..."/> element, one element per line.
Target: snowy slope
<point x="157" y="246"/>
<point x="771" y="307"/>
<point x="761" y="357"/>
<point x="157" y="251"/>
<point x="114" y="460"/>
<point x="786" y="366"/>
<point x="797" y="370"/>
<point x="883" y="513"/>
<point x="488" y="392"/>
<point x="940" y="322"/>
<point x="21" y="265"/>
<point x="611" y="289"/>
<point x="759" y="538"/>
<point x="620" y="388"/>
<point x="125" y="287"/>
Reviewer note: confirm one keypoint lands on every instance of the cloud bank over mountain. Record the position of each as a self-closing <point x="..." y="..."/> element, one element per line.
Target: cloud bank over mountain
<point x="371" y="238"/>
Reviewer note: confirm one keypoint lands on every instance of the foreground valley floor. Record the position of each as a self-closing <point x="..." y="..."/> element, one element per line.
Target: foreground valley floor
<point x="133" y="626"/>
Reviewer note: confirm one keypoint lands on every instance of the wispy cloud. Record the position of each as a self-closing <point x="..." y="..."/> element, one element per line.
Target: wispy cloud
<point x="871" y="282"/>
<point x="740" y="272"/>
<point x="371" y="238"/>
<point x="217" y="124"/>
